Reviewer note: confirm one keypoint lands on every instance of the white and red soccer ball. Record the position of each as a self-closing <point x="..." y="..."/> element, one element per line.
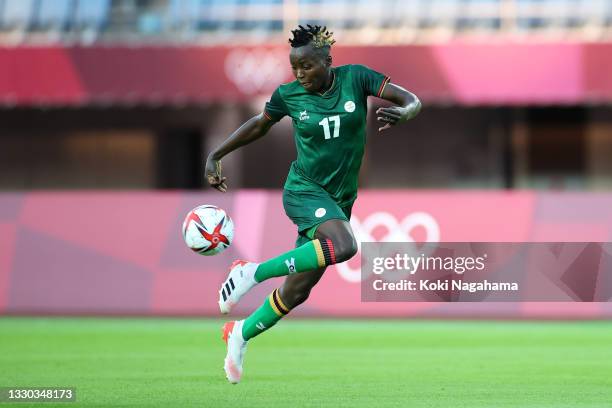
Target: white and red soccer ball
<point x="208" y="230"/>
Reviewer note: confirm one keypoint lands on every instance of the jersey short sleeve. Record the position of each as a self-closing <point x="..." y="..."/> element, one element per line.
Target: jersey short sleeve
<point x="275" y="108"/>
<point x="372" y="82"/>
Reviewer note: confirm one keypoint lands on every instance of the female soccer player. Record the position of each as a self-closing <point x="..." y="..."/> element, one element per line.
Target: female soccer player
<point x="328" y="108"/>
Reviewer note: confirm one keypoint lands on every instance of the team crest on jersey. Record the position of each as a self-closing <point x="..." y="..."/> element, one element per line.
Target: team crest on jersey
<point x="304" y="115"/>
<point x="349" y="106"/>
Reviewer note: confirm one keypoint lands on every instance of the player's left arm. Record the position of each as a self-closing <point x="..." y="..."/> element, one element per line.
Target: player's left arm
<point x="408" y="106"/>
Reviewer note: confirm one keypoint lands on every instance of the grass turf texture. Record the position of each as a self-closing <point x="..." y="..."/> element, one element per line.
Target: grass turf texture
<point x="306" y="363"/>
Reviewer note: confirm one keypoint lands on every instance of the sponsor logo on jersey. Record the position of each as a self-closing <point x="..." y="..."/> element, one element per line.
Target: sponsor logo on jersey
<point x="290" y="265"/>
<point x="349" y="106"/>
<point x="260" y="326"/>
<point x="304" y="115"/>
<point x="320" y="212"/>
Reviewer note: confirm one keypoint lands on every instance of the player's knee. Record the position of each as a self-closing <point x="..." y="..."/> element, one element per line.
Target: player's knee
<point x="295" y="297"/>
<point x="345" y="248"/>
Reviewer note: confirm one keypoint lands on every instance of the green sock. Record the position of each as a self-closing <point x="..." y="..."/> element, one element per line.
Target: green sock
<point x="312" y="255"/>
<point x="266" y="316"/>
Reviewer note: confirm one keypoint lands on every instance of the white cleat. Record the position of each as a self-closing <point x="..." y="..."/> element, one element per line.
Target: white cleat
<point x="236" y="347"/>
<point x="239" y="281"/>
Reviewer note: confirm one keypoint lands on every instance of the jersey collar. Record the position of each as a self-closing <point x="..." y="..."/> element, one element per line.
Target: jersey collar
<point x="333" y="85"/>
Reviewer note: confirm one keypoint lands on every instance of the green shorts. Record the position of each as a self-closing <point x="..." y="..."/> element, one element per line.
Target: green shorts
<point x="309" y="209"/>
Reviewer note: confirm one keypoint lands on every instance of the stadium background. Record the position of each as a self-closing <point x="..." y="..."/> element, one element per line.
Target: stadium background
<point x="108" y="108"/>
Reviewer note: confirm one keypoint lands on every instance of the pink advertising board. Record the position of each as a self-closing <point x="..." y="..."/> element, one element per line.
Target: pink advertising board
<point x="122" y="252"/>
<point x="483" y="73"/>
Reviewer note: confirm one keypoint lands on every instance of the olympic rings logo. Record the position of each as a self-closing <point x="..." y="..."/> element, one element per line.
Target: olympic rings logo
<point x="395" y="232"/>
<point x="258" y="70"/>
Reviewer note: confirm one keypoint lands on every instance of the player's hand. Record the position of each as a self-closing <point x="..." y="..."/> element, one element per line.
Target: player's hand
<point x="389" y="116"/>
<point x="395" y="114"/>
<point x="213" y="174"/>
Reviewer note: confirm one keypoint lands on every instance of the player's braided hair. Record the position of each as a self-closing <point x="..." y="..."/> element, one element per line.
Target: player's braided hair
<point x="318" y="36"/>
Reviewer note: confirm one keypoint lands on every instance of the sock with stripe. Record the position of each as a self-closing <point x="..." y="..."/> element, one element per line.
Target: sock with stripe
<point x="312" y="255"/>
<point x="266" y="316"/>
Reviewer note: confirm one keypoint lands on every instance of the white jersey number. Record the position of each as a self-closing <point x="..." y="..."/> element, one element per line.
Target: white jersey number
<point x="325" y="124"/>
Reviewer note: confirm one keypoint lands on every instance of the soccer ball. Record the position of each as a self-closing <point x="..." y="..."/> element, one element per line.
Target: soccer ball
<point x="208" y="230"/>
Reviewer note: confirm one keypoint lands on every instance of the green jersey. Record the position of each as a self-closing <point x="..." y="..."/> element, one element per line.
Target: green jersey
<point x="329" y="130"/>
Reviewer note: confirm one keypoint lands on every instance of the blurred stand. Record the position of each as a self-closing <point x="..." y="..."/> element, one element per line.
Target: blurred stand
<point x="268" y="21"/>
<point x="265" y="21"/>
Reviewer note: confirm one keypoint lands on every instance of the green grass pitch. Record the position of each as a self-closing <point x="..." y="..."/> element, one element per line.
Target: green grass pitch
<point x="313" y="363"/>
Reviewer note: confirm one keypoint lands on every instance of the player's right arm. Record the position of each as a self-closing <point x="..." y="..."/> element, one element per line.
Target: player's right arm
<point x="251" y="130"/>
